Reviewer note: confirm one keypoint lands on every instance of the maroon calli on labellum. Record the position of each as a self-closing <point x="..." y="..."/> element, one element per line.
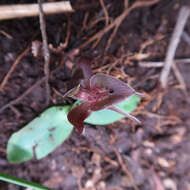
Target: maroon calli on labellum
<point x="97" y="92"/>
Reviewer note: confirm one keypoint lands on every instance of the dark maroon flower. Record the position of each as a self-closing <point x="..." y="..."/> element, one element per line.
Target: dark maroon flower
<point x="97" y="92"/>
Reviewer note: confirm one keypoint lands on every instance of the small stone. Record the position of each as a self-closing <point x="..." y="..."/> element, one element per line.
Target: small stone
<point x="149" y="144"/>
<point x="163" y="162"/>
<point x="169" y="184"/>
<point x="102" y="185"/>
<point x="53" y="165"/>
<point x="148" y="151"/>
<point x="89" y="184"/>
<point x="176" y="139"/>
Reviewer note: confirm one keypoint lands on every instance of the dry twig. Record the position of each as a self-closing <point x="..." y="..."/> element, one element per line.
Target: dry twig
<point x="181" y="21"/>
<point x="64" y="45"/>
<point x="105" y="11"/>
<point x="6" y="34"/>
<point x="149" y="64"/>
<point x="13" y="67"/>
<point x="45" y="50"/>
<point x="179" y="78"/>
<point x="126" y="3"/>
<point x="29" y="10"/>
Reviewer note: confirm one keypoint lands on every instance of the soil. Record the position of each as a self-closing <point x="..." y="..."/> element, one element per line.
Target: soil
<point x="152" y="156"/>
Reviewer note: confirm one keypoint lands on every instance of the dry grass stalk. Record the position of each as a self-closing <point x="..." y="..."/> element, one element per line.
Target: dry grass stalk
<point x="158" y="64"/>
<point x="17" y="61"/>
<point x="46" y="51"/>
<point x="30" y="10"/>
<point x="175" y="39"/>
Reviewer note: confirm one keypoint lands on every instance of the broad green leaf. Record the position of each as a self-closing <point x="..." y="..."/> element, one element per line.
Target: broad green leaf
<point x="105" y="117"/>
<point x="41" y="136"/>
<point x="21" y="182"/>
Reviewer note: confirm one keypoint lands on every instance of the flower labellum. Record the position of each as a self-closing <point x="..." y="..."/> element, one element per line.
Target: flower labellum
<point x="98" y="92"/>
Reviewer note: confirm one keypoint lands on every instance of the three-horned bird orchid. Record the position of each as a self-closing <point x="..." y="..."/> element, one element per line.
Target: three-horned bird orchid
<point x="97" y="92"/>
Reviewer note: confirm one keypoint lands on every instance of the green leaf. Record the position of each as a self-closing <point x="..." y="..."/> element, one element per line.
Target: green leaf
<point x="21" y="182"/>
<point x="41" y="136"/>
<point x="105" y="117"/>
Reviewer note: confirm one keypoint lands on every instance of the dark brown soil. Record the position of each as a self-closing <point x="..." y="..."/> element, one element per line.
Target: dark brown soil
<point x="151" y="156"/>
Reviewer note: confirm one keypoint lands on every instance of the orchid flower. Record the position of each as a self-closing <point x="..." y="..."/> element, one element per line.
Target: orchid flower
<point x="97" y="92"/>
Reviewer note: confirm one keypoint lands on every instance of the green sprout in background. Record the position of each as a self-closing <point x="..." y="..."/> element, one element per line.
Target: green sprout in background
<point x="21" y="182"/>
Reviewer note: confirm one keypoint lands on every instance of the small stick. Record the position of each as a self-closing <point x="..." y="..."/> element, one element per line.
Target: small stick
<point x="181" y="21"/>
<point x="150" y="64"/>
<point x="6" y="34"/>
<point x="30" y="10"/>
<point x="64" y="45"/>
<point x="126" y="3"/>
<point x="179" y="78"/>
<point x="161" y="63"/>
<point x="45" y="50"/>
<point x="6" y="78"/>
<point x="112" y="36"/>
<point x="105" y="11"/>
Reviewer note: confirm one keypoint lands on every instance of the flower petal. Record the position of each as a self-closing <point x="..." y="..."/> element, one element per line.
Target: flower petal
<point x="114" y="108"/>
<point x="111" y="83"/>
<point x="85" y="64"/>
<point x="78" y="114"/>
<point x="72" y="92"/>
<point x="119" y="90"/>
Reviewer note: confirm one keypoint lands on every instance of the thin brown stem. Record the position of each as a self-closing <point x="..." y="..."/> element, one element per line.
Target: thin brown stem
<point x="175" y="39"/>
<point x="105" y="11"/>
<point x="17" y="61"/>
<point x="45" y="50"/>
